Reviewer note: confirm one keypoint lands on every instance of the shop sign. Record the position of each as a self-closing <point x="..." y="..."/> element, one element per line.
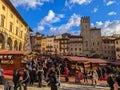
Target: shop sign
<point x="6" y="61"/>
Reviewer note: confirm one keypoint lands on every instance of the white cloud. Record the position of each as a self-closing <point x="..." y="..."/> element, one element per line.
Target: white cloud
<point x="74" y="21"/>
<point x="109" y="27"/>
<point x="69" y="3"/>
<point x="51" y="18"/>
<point x="29" y="3"/>
<point x="110" y="3"/>
<point x="112" y="13"/>
<point x="95" y="9"/>
<point x="40" y="28"/>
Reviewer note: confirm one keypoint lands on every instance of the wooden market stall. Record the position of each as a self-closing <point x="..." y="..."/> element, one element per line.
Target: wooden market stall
<point x="10" y="60"/>
<point x="89" y="63"/>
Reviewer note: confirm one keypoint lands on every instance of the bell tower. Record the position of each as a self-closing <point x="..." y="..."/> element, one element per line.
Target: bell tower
<point x="86" y="34"/>
<point x="85" y="25"/>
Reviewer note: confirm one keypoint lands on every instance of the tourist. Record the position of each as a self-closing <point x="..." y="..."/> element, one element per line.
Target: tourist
<point x="1" y="75"/>
<point x="53" y="80"/>
<point x="66" y="74"/>
<point x="32" y="76"/>
<point x="110" y="81"/>
<point x="80" y="75"/>
<point x="85" y="76"/>
<point x="26" y="78"/>
<point x="94" y="78"/>
<point x="58" y="75"/>
<point x="16" y="78"/>
<point x="40" y="76"/>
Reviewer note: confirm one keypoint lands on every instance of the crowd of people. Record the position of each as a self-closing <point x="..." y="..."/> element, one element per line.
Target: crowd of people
<point x="48" y="70"/>
<point x="38" y="70"/>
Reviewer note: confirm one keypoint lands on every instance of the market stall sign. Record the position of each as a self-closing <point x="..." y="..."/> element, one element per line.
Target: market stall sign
<point x="6" y="61"/>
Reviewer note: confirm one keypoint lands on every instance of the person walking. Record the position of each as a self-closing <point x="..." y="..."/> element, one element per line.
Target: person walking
<point x="16" y="78"/>
<point x="53" y="81"/>
<point x="32" y="76"/>
<point x="85" y="76"/>
<point x="94" y="78"/>
<point x="110" y="81"/>
<point x="1" y="75"/>
<point x="66" y="74"/>
<point x="40" y="76"/>
<point x="26" y="78"/>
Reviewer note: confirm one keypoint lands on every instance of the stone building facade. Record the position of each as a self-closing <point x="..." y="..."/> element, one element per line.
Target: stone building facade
<point x="92" y="42"/>
<point x="75" y="46"/>
<point x="36" y="42"/>
<point x="108" y="44"/>
<point x="14" y="31"/>
<point x="50" y="45"/>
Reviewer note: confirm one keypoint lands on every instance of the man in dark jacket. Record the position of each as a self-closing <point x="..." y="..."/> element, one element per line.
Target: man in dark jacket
<point x="40" y="76"/>
<point x="110" y="81"/>
<point x="53" y="81"/>
<point x="26" y="78"/>
<point x="16" y="78"/>
<point x="32" y="76"/>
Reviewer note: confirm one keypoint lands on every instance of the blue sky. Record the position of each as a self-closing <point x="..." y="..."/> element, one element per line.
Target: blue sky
<point x="60" y="16"/>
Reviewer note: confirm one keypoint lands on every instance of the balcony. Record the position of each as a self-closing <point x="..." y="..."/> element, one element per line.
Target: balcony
<point x="49" y="46"/>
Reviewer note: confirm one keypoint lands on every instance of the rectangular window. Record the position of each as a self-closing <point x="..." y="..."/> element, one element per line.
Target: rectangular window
<point x="11" y="15"/>
<point x="21" y="34"/>
<point x="11" y="26"/>
<point x="16" y="30"/>
<point x="75" y="49"/>
<point x="3" y="7"/>
<point x="79" y="49"/>
<point x="2" y="20"/>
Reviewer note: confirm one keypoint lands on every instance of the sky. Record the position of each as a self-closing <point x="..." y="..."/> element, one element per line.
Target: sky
<point x="63" y="16"/>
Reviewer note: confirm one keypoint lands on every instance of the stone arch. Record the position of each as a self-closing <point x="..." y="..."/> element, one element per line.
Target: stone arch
<point x="15" y="45"/>
<point x="20" y="46"/>
<point x="9" y="43"/>
<point x="2" y="41"/>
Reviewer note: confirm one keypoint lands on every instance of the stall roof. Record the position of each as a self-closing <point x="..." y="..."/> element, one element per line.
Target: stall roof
<point x="12" y="52"/>
<point x="116" y="62"/>
<point x="84" y="59"/>
<point x="76" y="59"/>
<point x="93" y="60"/>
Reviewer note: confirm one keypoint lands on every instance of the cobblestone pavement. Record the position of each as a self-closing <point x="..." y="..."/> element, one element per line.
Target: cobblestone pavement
<point x="66" y="86"/>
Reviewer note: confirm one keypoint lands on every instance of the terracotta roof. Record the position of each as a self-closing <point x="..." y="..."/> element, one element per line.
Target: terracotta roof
<point x="12" y="52"/>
